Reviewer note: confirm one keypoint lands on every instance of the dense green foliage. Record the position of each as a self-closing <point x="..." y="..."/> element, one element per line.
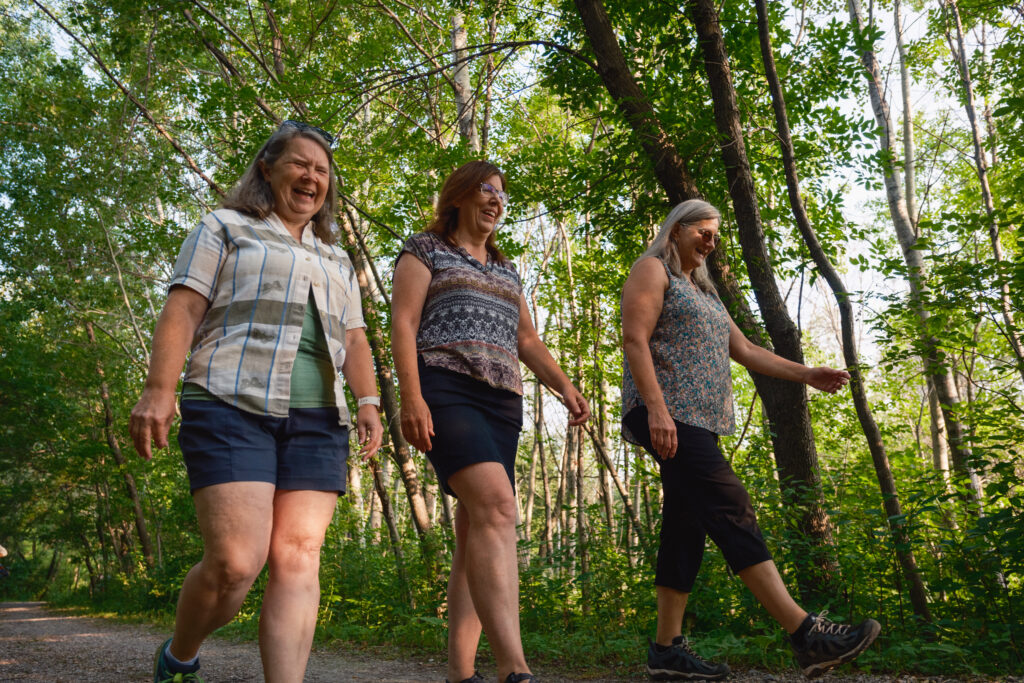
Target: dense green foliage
<point x="96" y="200"/>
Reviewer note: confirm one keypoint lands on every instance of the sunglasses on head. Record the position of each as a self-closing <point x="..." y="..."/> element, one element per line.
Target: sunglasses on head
<point x="305" y="126"/>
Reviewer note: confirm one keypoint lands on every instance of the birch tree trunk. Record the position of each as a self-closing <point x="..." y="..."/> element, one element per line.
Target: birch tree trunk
<point x="401" y="451"/>
<point x="932" y="355"/>
<point x="461" y="85"/>
<point x="909" y="161"/>
<point x="981" y="168"/>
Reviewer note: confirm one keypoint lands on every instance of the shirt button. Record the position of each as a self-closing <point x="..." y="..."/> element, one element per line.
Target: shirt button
<point x="316" y="284"/>
<point x="309" y="258"/>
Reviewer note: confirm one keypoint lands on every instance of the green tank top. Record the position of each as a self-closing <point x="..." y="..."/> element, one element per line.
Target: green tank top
<point x="312" y="383"/>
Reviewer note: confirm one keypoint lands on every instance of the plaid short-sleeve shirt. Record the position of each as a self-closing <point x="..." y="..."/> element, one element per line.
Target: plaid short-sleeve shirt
<point x="257" y="278"/>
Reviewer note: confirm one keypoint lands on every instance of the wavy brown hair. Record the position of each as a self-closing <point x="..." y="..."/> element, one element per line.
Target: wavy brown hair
<point x="252" y="196"/>
<point x="464" y="181"/>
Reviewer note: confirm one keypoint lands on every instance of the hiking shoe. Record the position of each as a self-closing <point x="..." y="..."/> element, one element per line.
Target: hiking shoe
<point x="680" y="662"/>
<point x="475" y="678"/>
<point x="163" y="674"/>
<point x="521" y="678"/>
<point x="827" y="645"/>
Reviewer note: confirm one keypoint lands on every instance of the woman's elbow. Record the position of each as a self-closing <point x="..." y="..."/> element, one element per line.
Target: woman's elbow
<point x="632" y="341"/>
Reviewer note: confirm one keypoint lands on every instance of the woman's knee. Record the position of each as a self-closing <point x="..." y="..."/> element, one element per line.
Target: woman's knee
<point x="230" y="572"/>
<point x="295" y="556"/>
<point x="497" y="510"/>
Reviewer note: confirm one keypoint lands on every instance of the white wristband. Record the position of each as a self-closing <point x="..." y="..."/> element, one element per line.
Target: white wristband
<point x="368" y="401"/>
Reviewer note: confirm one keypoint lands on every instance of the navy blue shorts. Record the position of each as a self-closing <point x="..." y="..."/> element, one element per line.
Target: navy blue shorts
<point x="473" y="422"/>
<point x="306" y="451"/>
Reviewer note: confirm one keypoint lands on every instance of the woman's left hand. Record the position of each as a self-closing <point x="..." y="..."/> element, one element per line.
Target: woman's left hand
<point x="827" y="379"/>
<point x="369" y="430"/>
<point x="579" y="409"/>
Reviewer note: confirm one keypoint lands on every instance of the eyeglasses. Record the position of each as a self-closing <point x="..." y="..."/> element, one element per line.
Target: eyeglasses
<point x="710" y="236"/>
<point x="487" y="188"/>
<point x="305" y="126"/>
<point x="706" y="234"/>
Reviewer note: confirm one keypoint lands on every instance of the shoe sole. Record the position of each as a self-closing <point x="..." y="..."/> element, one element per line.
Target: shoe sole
<point x="156" y="658"/>
<point x="670" y="675"/>
<point x="818" y="668"/>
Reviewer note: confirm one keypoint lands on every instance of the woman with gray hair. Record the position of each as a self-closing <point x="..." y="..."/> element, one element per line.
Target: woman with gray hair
<point x="270" y="309"/>
<point x="677" y="400"/>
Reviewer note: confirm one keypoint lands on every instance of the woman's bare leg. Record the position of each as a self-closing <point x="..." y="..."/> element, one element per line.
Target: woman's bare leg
<point x="235" y="520"/>
<point x="671" y="607"/>
<point x="292" y="597"/>
<point x="764" y="582"/>
<point x="492" y="572"/>
<point x="463" y="623"/>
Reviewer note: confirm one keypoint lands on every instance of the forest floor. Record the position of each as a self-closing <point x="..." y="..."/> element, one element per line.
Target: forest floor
<point x="38" y="643"/>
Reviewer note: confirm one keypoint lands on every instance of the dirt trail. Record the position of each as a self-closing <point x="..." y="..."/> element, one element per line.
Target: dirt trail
<point x="41" y="644"/>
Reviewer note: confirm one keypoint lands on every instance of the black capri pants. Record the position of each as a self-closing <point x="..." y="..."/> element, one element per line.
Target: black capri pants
<point x="702" y="497"/>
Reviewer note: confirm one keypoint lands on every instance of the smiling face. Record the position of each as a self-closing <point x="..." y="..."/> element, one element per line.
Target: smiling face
<point x="298" y="180"/>
<point x="479" y="212"/>
<point x="694" y="242"/>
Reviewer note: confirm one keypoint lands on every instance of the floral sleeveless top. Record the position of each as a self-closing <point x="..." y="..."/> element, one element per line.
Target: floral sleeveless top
<point x="470" y="320"/>
<point x="690" y="348"/>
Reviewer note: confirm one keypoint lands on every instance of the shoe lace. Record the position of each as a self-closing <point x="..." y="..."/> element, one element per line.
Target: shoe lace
<point x="183" y="678"/>
<point x="686" y="647"/>
<point x="827" y="627"/>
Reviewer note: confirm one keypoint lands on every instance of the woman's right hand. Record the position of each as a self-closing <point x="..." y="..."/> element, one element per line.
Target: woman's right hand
<point x="663" y="432"/>
<point x="151" y="420"/>
<point x="417" y="425"/>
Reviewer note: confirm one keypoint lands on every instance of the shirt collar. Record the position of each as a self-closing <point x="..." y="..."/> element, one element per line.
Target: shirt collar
<point x="308" y="236"/>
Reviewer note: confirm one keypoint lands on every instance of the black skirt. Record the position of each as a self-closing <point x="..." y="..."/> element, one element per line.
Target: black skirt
<point x="473" y="422"/>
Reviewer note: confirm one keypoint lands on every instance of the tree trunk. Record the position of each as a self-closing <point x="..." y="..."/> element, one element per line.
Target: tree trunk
<point x="141" y="528"/>
<point x="548" y="533"/>
<point x="463" y="92"/>
<point x="582" y="540"/>
<point x="940" y="453"/>
<point x="669" y="167"/>
<point x="981" y="167"/>
<point x="401" y="451"/>
<point x="562" y="502"/>
<point x="535" y="457"/>
<point x="909" y="165"/>
<point x="905" y="234"/>
<point x="380" y="486"/>
<point x="786" y="402"/>
<point x="883" y="471"/>
<point x="787" y="408"/>
<point x="623" y="489"/>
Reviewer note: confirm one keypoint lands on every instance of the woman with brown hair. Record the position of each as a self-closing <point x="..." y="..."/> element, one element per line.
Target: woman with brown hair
<point x="460" y="326"/>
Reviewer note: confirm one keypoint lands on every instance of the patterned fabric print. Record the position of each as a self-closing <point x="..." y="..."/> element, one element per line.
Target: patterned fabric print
<point x="690" y="348"/>
<point x="471" y="314"/>
<point x="257" y="279"/>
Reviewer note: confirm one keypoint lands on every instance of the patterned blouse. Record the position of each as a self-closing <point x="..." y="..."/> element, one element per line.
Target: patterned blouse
<point x="690" y="348"/>
<point x="470" y="318"/>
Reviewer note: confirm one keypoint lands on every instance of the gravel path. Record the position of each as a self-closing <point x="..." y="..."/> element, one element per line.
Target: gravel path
<point x="41" y="644"/>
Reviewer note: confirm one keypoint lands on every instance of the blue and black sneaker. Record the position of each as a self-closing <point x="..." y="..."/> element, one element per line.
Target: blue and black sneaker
<point x="162" y="672"/>
<point x="826" y="645"/>
<point x="678" y="662"/>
